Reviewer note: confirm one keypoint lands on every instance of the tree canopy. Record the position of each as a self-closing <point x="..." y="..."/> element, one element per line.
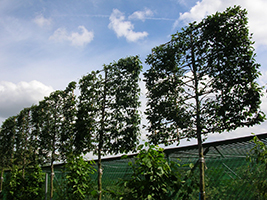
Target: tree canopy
<point x="206" y="74"/>
<point x="203" y="81"/>
<point x="108" y="118"/>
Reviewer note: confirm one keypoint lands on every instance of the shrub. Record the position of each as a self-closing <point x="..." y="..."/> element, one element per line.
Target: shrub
<point x="153" y="177"/>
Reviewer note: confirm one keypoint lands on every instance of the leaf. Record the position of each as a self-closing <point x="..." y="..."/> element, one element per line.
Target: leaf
<point x="191" y="165"/>
<point x="140" y="147"/>
<point x="124" y="157"/>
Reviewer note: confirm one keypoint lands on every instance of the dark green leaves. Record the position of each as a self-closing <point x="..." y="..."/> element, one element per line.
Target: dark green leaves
<point x="108" y="117"/>
<point x="57" y="119"/>
<point x="78" y="181"/>
<point x="259" y="152"/>
<point x="152" y="176"/>
<point x="24" y="185"/>
<point x="108" y="106"/>
<point x="207" y="71"/>
<point x="203" y="81"/>
<point x="256" y="171"/>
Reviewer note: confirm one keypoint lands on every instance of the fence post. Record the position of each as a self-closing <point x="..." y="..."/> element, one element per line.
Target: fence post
<point x="46" y="185"/>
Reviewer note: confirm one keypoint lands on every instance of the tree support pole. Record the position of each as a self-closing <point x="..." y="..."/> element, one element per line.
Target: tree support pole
<point x="100" y="172"/>
<point x="100" y="145"/>
<point x="199" y="128"/>
<point x="1" y="181"/>
<point x="51" y="181"/>
<point x="201" y="168"/>
<point x="52" y="174"/>
<point x="46" y="186"/>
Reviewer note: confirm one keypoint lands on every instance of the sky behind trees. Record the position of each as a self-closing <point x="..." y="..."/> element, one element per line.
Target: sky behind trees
<point x="46" y="44"/>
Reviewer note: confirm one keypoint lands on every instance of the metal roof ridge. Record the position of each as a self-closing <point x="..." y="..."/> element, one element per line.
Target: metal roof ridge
<point x="217" y="143"/>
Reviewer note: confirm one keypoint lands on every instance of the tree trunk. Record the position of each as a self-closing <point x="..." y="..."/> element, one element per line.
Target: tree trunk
<point x="100" y="172"/>
<point x="51" y="180"/>
<point x="52" y="173"/>
<point x="1" y="181"/>
<point x="100" y="145"/>
<point x="23" y="166"/>
<point x="201" y="168"/>
<point x="199" y="129"/>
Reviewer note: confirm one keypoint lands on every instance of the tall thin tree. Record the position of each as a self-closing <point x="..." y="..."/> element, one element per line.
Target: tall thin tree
<point x="23" y="151"/>
<point x="203" y="81"/>
<point x="7" y="142"/>
<point x="57" y="126"/>
<point x="108" y="118"/>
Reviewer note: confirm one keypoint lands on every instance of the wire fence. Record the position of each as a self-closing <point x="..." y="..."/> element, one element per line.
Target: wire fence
<point x="228" y="174"/>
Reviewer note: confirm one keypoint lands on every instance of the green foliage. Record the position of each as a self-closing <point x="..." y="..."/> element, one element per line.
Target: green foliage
<point x="7" y="138"/>
<point x="19" y="148"/>
<point x="79" y="185"/>
<point x="35" y="132"/>
<point x="246" y="181"/>
<point x="108" y="108"/>
<point x="25" y="140"/>
<point x="253" y="179"/>
<point x="107" y="122"/>
<point x="24" y="186"/>
<point x="204" y="79"/>
<point x="57" y="116"/>
<point x="259" y="152"/>
<point x="108" y="118"/>
<point x="258" y="168"/>
<point x="153" y="177"/>
<point x="56" y="126"/>
<point x="189" y="189"/>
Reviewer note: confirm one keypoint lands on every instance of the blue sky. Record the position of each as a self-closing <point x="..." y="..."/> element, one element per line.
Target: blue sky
<point x="45" y="44"/>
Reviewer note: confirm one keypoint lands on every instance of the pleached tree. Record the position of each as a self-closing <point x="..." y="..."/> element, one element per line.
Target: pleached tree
<point x="203" y="81"/>
<point x="23" y="151"/>
<point x="108" y="118"/>
<point x="25" y="178"/>
<point x="56" y="125"/>
<point x="36" y="120"/>
<point x="7" y="141"/>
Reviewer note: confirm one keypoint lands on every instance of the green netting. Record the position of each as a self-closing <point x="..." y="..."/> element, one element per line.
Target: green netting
<point x="113" y="171"/>
<point x="228" y="174"/>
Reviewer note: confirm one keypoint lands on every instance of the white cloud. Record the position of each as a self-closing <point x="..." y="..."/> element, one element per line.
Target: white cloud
<point x="199" y="11"/>
<point x="141" y="15"/>
<point x="15" y="97"/>
<point x="42" y="22"/>
<point x="124" y="28"/>
<point x="183" y="2"/>
<point x="59" y="35"/>
<point x="256" y="15"/>
<point x="76" y="38"/>
<point x="263" y="78"/>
